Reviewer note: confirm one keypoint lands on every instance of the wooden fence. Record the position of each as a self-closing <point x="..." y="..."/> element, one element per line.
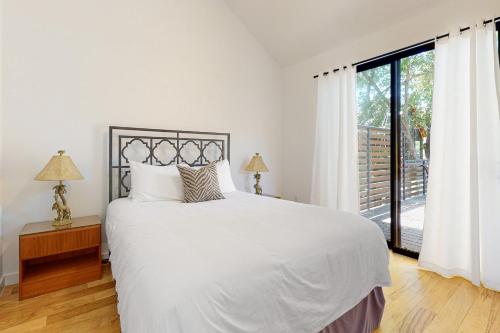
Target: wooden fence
<point x="375" y="170"/>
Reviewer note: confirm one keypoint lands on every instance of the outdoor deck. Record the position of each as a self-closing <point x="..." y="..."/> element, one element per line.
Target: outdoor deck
<point x="374" y="148"/>
<point x="412" y="221"/>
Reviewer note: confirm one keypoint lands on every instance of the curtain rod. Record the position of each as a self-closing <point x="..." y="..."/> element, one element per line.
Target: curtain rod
<point x="432" y="40"/>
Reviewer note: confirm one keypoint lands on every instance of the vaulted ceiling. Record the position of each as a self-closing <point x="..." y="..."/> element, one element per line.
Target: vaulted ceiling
<point x="293" y="30"/>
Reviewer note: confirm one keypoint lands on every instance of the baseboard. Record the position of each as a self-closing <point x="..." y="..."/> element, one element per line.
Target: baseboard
<point x="2" y="285"/>
<point x="11" y="278"/>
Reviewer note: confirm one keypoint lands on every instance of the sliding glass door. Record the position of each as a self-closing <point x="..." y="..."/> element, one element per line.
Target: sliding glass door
<point x="395" y="102"/>
<point x="394" y="95"/>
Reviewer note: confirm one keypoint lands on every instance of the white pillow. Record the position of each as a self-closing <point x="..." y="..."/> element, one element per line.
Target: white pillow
<point x="154" y="183"/>
<point x="224" y="175"/>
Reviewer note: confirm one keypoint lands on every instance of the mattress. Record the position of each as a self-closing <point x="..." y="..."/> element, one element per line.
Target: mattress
<point x="243" y="264"/>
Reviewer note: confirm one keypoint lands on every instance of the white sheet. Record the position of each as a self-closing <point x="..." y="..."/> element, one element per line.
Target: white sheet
<point x="244" y="264"/>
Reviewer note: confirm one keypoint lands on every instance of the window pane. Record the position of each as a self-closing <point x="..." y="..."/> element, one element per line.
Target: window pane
<point x="417" y="74"/>
<point x="374" y="134"/>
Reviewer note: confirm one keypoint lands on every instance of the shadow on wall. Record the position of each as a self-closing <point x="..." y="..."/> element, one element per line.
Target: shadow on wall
<point x="249" y="182"/>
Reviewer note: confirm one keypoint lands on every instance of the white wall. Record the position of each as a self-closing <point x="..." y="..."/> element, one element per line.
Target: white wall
<point x="72" y="68"/>
<point x="1" y="157"/>
<point x="299" y="99"/>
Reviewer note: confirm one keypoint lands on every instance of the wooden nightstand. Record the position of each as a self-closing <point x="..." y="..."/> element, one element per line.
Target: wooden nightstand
<point x="55" y="258"/>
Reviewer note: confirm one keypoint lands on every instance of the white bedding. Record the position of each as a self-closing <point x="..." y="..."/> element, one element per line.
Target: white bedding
<point x="244" y="264"/>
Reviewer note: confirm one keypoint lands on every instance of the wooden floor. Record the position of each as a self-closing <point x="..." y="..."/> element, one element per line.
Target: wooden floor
<point x="418" y="301"/>
<point x="421" y="301"/>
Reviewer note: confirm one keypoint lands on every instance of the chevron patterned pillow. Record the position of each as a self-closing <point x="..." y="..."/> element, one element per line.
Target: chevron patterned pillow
<point x="200" y="184"/>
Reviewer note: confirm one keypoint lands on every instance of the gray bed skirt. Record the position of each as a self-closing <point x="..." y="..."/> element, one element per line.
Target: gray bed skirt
<point x="363" y="318"/>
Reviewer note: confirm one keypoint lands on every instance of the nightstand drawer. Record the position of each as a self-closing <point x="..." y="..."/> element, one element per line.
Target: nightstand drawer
<point x="40" y="245"/>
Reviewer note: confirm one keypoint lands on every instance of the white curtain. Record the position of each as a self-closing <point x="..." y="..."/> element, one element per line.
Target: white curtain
<point x="335" y="180"/>
<point x="462" y="214"/>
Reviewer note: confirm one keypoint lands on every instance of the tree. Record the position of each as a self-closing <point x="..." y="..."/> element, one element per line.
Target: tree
<point x="374" y="92"/>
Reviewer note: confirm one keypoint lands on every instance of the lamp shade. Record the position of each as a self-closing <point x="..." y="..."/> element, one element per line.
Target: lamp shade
<point x="256" y="164"/>
<point x="60" y="167"/>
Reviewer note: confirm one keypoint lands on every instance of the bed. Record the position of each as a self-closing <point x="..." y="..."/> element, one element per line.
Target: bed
<point x="243" y="264"/>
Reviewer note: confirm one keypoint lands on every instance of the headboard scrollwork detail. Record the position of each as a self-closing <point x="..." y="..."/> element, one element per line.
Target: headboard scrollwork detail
<point x="159" y="147"/>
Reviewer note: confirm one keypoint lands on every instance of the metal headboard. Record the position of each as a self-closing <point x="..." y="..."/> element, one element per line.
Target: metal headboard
<point x="159" y="147"/>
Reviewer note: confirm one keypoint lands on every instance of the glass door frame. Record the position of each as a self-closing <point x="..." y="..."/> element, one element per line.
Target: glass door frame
<point x="498" y="37"/>
<point x="394" y="60"/>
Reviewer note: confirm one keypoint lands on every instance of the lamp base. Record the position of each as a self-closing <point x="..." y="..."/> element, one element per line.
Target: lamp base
<point x="258" y="188"/>
<point x="61" y="223"/>
<point x="61" y="207"/>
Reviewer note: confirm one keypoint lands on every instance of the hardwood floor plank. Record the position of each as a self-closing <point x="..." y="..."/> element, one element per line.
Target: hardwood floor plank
<point x="18" y="315"/>
<point x="494" y="315"/>
<point x="405" y="301"/>
<point x="28" y="326"/>
<point x="76" y="311"/>
<point x="80" y="301"/>
<point x="480" y="315"/>
<point x="17" y="312"/>
<point x="100" y="319"/>
<point x="417" y="320"/>
<point x="451" y="316"/>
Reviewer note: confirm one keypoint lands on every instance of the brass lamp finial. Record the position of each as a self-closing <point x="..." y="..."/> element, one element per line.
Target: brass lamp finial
<point x="59" y="168"/>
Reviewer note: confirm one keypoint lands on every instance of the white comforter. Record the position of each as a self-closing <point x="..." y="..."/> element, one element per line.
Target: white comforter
<point x="243" y="264"/>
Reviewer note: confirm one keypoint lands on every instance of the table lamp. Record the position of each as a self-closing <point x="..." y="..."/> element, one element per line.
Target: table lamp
<point x="59" y="168"/>
<point x="257" y="165"/>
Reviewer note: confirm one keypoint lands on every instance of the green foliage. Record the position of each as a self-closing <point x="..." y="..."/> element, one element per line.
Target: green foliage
<point x="374" y="92"/>
<point x="417" y="75"/>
